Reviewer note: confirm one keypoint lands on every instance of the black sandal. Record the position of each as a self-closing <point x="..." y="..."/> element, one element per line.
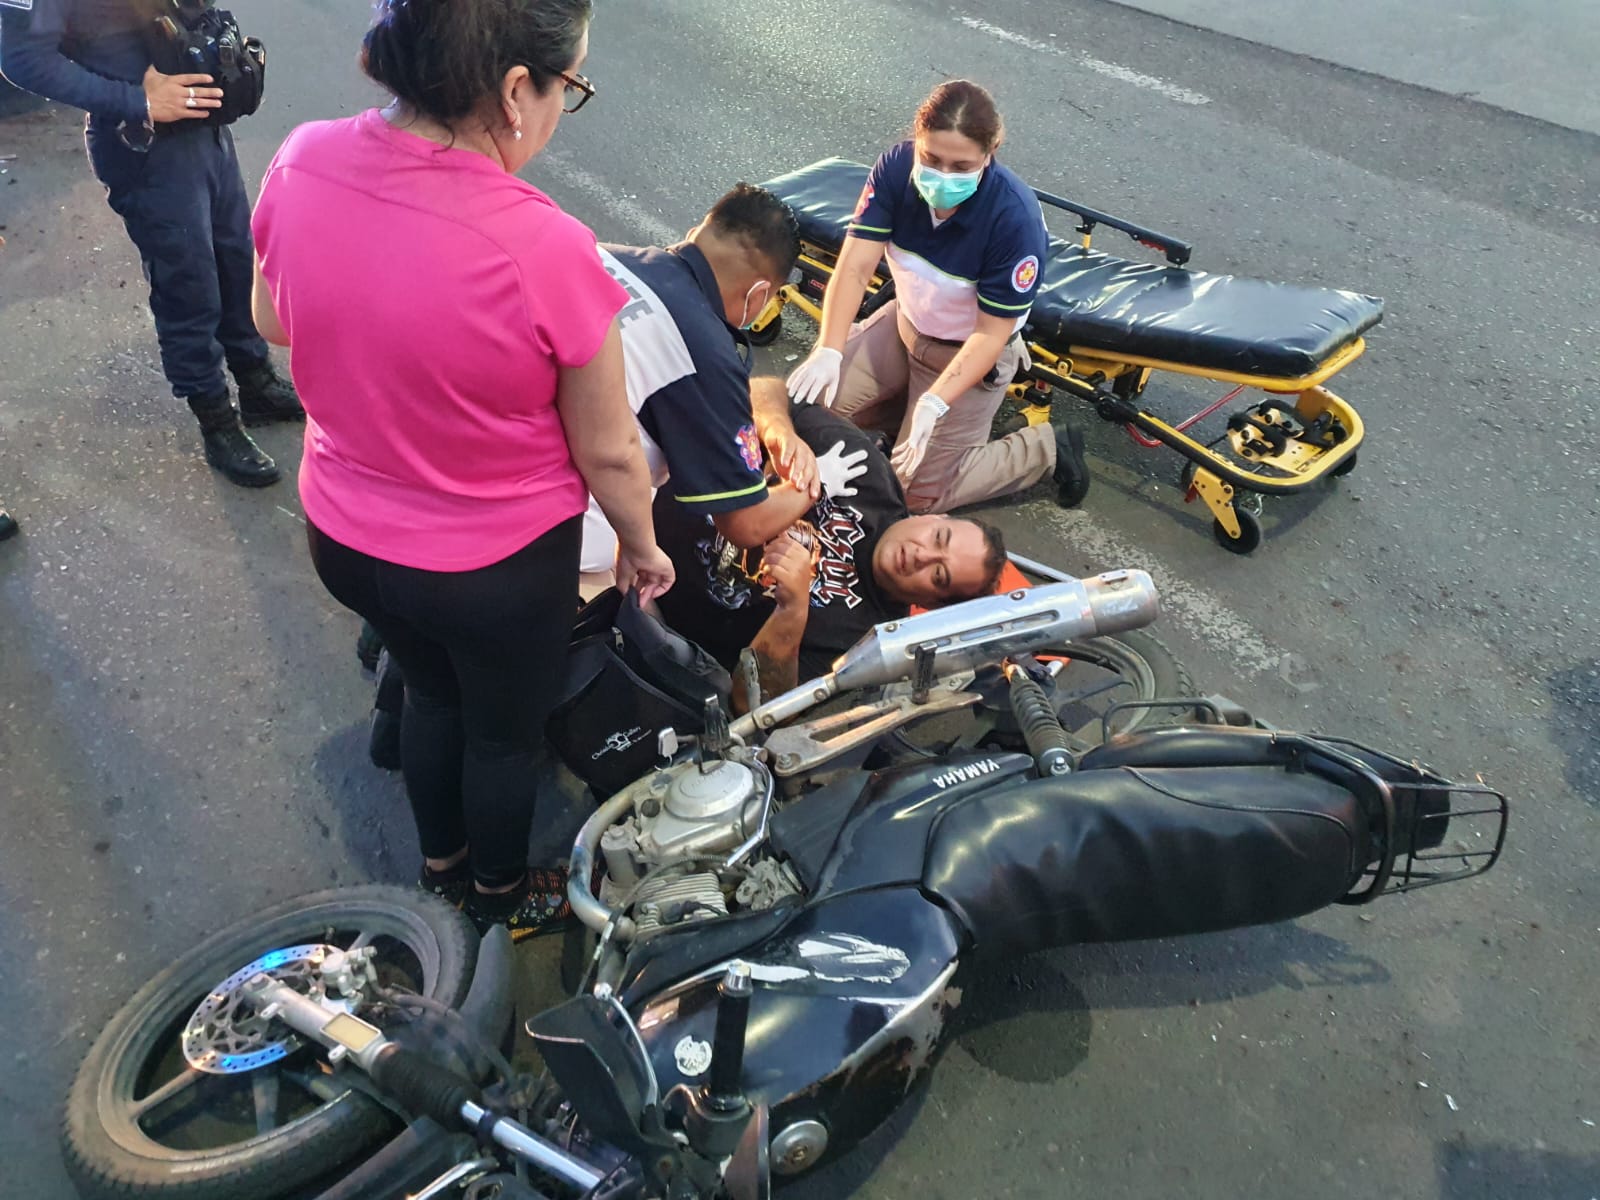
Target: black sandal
<point x="450" y="885"/>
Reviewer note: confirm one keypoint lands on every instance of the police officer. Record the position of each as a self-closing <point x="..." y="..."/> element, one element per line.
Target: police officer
<point x="173" y="178"/>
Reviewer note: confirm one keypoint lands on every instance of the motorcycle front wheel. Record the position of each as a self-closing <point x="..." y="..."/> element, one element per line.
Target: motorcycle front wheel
<point x="142" y="1121"/>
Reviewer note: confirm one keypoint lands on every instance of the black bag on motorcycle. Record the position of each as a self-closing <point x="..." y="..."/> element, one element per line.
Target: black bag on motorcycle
<point x="628" y="678"/>
<point x="191" y="37"/>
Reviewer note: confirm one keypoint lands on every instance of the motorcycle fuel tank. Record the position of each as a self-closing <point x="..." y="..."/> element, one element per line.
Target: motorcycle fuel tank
<point x="850" y="1004"/>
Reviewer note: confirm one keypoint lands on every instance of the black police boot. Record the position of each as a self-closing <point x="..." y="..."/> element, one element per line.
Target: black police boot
<point x="228" y="447"/>
<point x="1072" y="472"/>
<point x="8" y="525"/>
<point x="265" y="396"/>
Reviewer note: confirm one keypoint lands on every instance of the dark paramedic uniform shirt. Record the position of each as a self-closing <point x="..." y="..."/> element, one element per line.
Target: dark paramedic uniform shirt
<point x="716" y="601"/>
<point x="985" y="257"/>
<point x="86" y="53"/>
<point x="686" y="378"/>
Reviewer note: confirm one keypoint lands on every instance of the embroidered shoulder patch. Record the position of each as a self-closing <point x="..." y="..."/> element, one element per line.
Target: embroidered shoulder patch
<point x="749" y="447"/>
<point x="867" y="193"/>
<point x="1024" y="274"/>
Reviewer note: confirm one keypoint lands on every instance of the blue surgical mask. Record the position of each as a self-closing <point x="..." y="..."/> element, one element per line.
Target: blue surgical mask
<point x="943" y="190"/>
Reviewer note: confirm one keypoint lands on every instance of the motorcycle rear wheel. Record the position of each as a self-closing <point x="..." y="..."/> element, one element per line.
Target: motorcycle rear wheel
<point x="1150" y="672"/>
<point x="1098" y="674"/>
<point x="121" y="1139"/>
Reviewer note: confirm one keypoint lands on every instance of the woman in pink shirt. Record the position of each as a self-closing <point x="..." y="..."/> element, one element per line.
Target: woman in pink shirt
<point x="455" y="341"/>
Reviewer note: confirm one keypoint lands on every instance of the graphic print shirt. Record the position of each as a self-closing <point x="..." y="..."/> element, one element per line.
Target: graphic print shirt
<point x="718" y="601"/>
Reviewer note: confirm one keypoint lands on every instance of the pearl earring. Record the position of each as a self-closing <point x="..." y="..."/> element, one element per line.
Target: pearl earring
<point x="517" y="135"/>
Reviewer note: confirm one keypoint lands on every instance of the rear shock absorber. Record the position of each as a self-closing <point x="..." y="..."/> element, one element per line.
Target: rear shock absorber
<point x="1047" y="740"/>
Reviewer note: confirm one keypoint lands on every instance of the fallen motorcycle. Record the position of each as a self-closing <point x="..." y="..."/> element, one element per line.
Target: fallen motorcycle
<point x="781" y="913"/>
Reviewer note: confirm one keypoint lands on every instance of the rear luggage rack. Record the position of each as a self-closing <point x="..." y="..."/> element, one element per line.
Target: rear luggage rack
<point x="1428" y="809"/>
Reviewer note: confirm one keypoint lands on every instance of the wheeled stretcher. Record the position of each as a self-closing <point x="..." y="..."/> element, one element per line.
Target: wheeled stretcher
<point x="1101" y="325"/>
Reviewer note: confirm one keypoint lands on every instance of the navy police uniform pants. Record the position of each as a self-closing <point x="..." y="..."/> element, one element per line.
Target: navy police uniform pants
<point x="184" y="203"/>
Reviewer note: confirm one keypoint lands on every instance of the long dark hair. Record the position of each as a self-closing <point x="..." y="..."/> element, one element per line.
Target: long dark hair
<point x="966" y="108"/>
<point x="443" y="58"/>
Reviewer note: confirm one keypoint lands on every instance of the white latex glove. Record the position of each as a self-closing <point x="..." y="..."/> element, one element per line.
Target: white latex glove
<point x="836" y="469"/>
<point x="907" y="456"/>
<point x="816" y="379"/>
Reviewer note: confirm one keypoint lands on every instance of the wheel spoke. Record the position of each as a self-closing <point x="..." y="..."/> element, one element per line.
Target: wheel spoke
<point x="315" y="1084"/>
<point x="362" y="940"/>
<point x="264" y="1091"/>
<point x="1089" y="693"/>
<point x="164" y="1093"/>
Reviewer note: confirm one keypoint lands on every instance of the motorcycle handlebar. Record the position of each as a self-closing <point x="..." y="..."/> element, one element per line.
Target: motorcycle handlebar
<point x="413" y="1079"/>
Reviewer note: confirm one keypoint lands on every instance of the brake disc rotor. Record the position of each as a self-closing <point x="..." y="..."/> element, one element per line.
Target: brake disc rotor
<point x="226" y="1035"/>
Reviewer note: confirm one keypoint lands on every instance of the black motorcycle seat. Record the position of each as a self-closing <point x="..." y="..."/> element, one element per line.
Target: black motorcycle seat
<point x="1155" y="311"/>
<point x="1421" y="806"/>
<point x="1186" y="746"/>
<point x="1129" y="853"/>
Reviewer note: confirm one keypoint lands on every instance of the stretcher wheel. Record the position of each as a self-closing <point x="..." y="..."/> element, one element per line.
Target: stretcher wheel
<point x="767" y="334"/>
<point x="1249" y="533"/>
<point x="1344" y="468"/>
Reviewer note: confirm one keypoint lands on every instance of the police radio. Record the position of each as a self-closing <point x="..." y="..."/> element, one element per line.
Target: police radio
<point x="193" y="37"/>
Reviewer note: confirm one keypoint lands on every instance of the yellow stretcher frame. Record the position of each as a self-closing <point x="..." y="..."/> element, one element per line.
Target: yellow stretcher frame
<point x="1102" y="378"/>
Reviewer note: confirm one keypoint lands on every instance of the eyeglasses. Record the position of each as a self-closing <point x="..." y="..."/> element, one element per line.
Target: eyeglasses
<point x="578" y="86"/>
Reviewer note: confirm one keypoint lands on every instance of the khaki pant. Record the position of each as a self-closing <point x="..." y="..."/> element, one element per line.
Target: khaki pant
<point x="888" y="364"/>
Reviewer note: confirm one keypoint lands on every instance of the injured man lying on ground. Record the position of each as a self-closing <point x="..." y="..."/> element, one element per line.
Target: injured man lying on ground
<point x="857" y="558"/>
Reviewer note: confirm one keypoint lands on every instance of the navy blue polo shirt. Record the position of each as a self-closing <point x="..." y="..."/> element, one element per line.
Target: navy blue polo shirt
<point x="985" y="257"/>
<point x="688" y="385"/>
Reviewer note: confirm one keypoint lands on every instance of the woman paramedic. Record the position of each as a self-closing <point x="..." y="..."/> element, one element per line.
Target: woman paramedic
<point x="965" y="240"/>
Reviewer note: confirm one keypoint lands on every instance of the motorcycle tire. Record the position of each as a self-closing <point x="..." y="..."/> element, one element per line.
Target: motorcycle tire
<point x="430" y="946"/>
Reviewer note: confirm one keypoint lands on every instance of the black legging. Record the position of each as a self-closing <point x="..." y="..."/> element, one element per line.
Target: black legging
<point x="483" y="654"/>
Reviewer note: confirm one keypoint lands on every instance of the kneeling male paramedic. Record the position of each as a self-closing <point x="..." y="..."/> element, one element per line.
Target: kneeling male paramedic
<point x="689" y="382"/>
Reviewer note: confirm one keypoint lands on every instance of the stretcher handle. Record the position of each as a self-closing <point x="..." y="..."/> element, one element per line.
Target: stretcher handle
<point x="1176" y="250"/>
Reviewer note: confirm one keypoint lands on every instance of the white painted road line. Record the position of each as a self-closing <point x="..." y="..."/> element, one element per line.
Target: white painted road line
<point x="1111" y="70"/>
<point x="1202" y="615"/>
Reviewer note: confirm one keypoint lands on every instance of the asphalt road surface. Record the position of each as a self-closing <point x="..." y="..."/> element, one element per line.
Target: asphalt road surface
<point x="182" y="720"/>
<point x="1530" y="56"/>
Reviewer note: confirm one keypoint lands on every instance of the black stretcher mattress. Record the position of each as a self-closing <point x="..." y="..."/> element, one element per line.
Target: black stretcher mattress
<point x="1145" y="310"/>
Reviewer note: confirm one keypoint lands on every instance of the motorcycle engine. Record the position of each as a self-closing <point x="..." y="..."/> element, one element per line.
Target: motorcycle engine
<point x="691" y="817"/>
